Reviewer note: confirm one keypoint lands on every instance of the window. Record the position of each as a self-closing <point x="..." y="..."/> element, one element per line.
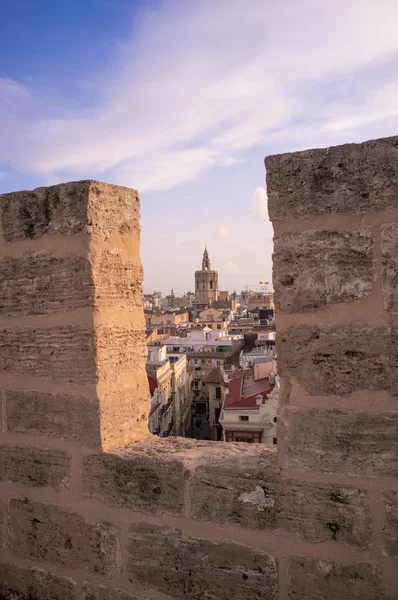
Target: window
<point x="218" y="393"/>
<point x="218" y="363"/>
<point x="209" y="362"/>
<point x="203" y="361"/>
<point x="211" y="284"/>
<point x="274" y="441"/>
<point x="195" y="361"/>
<point x="218" y="326"/>
<point x="251" y="437"/>
<point x="274" y="419"/>
<point x="243" y="418"/>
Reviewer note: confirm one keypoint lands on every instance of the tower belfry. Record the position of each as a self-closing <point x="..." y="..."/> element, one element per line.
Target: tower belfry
<point x="206" y="283"/>
<point x="206" y="261"/>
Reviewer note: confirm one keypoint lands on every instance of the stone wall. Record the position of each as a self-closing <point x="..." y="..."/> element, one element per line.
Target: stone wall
<point x="86" y="514"/>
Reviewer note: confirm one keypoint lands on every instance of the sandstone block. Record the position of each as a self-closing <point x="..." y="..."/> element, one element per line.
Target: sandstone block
<point x="62" y="416"/>
<point x="41" y="284"/>
<point x="339" y="360"/>
<point x="352" y="178"/>
<point x="252" y="494"/>
<point x="315" y="579"/>
<point x="72" y="354"/>
<point x="34" y="467"/>
<point x="164" y="559"/>
<point x="117" y="279"/>
<point x="363" y="444"/>
<point x="63" y="353"/>
<point x="63" y="538"/>
<point x="73" y="208"/>
<point x="21" y="583"/>
<point x="124" y="412"/>
<point x="135" y="481"/>
<point x="3" y="518"/>
<point x="92" y="591"/>
<point x="389" y="270"/>
<point x="120" y="351"/>
<point x="390" y="529"/>
<point x="313" y="269"/>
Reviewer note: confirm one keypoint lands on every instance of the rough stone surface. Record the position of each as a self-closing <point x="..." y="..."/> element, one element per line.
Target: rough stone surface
<point x="92" y="591"/>
<point x="120" y="351"/>
<point x="41" y="284"/>
<point x="21" y="583"/>
<point x="313" y="269"/>
<point x="117" y="280"/>
<point x="250" y="493"/>
<point x="72" y="208"/>
<point x="352" y="178"/>
<point x="64" y="353"/>
<point x="61" y="416"/>
<point x="72" y="354"/>
<point x="341" y="359"/>
<point x="164" y="559"/>
<point x="390" y="529"/>
<point x="124" y="413"/>
<point x="389" y="269"/>
<point x="46" y="532"/>
<point x="135" y="481"/>
<point x="364" y="444"/>
<point x="311" y="579"/>
<point x="3" y="509"/>
<point x="35" y="467"/>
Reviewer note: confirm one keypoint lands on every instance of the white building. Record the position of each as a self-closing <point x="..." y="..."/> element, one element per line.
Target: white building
<point x="249" y="411"/>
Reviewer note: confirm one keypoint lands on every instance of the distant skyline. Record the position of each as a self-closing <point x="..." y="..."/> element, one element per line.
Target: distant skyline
<point x="182" y="101"/>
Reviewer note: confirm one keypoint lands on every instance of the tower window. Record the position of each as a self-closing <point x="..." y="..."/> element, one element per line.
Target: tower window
<point x="211" y="284"/>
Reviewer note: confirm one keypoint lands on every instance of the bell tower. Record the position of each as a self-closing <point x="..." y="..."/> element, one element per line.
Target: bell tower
<point x="206" y="283"/>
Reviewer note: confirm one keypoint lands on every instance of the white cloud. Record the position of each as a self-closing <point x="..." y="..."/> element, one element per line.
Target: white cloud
<point x="223" y="233"/>
<point x="199" y="83"/>
<point x="233" y="267"/>
<point x="260" y="204"/>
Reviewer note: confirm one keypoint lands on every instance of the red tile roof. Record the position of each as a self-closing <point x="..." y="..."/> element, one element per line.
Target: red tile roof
<point x="237" y="398"/>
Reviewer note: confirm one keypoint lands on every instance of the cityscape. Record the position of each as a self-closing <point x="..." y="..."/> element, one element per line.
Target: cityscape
<point x="211" y="363"/>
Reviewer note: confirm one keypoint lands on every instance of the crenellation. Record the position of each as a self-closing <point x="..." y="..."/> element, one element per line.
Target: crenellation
<point x="97" y="509"/>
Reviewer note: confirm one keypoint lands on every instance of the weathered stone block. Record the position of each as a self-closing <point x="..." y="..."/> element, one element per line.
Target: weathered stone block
<point x="3" y="517"/>
<point x="35" y="467"/>
<point x="164" y="559"/>
<point x="41" y="284"/>
<point x="92" y="591"/>
<point x="252" y="494"/>
<point x="61" y="416"/>
<point x="341" y="359"/>
<point x="120" y="351"/>
<point x="364" y="444"/>
<point x="314" y="579"/>
<point x="135" y="481"/>
<point x="72" y="354"/>
<point x="64" y="353"/>
<point x="313" y="269"/>
<point x="390" y="529"/>
<point x="353" y="178"/>
<point x="124" y="412"/>
<point x="46" y="532"/>
<point x="118" y="280"/>
<point x="21" y="583"/>
<point x="389" y="269"/>
<point x="71" y="208"/>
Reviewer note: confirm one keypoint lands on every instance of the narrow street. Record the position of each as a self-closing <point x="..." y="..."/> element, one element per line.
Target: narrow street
<point x="200" y="427"/>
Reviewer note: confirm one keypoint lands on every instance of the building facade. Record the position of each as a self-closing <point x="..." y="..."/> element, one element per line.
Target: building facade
<point x="206" y="283"/>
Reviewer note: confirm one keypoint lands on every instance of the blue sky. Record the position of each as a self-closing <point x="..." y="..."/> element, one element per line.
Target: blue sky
<point x="182" y="100"/>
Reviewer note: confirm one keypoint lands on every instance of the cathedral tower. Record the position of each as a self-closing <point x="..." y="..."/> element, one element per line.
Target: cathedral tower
<point x="206" y="283"/>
